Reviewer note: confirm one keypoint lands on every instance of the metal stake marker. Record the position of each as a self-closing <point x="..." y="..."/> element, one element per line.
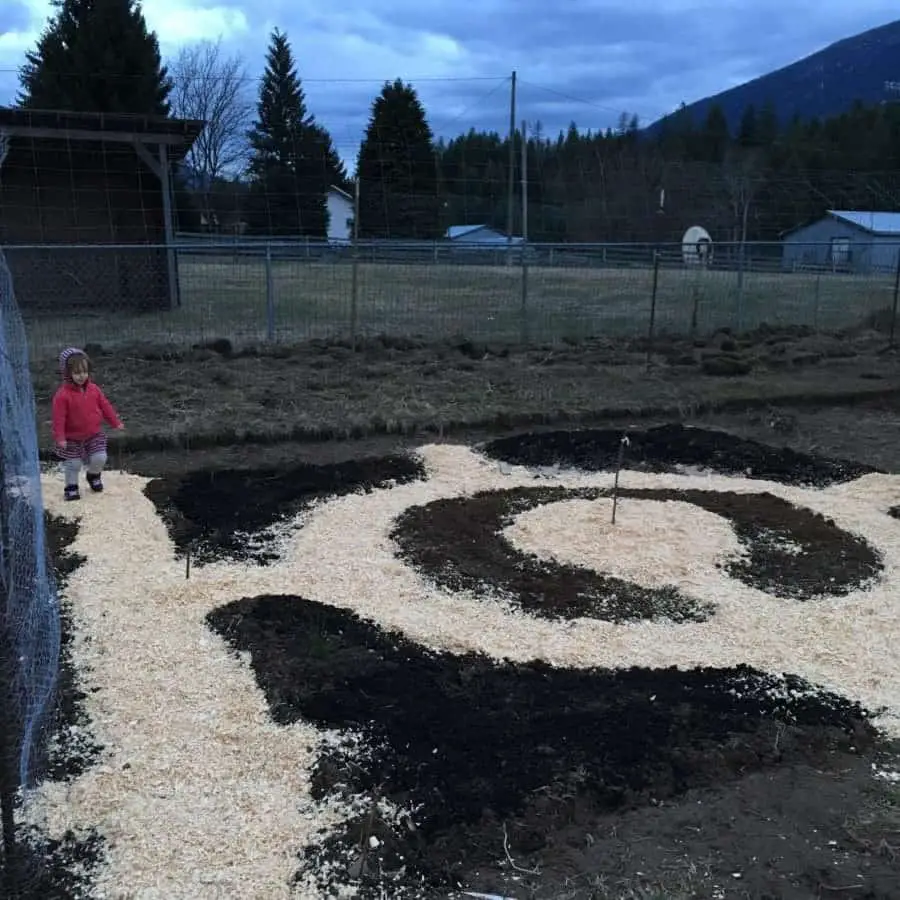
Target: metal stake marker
<point x="623" y="443"/>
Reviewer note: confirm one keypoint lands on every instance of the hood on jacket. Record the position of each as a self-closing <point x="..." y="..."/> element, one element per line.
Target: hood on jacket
<point x="64" y="357"/>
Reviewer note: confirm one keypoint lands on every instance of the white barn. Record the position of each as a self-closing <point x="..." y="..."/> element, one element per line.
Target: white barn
<point x="340" y="215"/>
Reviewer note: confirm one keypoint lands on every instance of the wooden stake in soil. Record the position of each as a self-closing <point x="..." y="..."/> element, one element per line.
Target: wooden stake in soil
<point x="623" y="443"/>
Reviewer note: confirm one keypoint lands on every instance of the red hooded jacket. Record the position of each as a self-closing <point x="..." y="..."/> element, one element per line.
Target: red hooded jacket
<point x="79" y="411"/>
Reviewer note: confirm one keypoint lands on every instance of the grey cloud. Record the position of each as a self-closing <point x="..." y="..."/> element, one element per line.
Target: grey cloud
<point x="581" y="60"/>
<point x="14" y="16"/>
<point x="605" y="51"/>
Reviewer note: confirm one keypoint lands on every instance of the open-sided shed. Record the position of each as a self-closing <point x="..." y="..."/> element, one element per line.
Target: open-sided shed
<point x="87" y="210"/>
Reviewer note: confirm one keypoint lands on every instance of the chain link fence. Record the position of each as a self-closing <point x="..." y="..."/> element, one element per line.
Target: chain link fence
<point x="256" y="290"/>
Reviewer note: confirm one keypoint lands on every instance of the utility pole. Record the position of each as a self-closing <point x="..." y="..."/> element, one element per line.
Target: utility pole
<point x="524" y="250"/>
<point x="354" y="287"/>
<point x="511" y="189"/>
<point x="524" y="184"/>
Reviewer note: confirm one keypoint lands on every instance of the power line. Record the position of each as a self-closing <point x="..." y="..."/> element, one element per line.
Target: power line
<point x="584" y="101"/>
<point x="425" y="79"/>
<point x="249" y="79"/>
<point x="477" y="102"/>
<point x="430" y="79"/>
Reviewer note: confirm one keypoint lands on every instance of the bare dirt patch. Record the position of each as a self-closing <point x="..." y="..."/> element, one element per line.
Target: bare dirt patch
<point x="202" y="398"/>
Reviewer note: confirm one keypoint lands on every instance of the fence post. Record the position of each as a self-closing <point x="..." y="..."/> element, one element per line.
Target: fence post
<point x="652" y="325"/>
<point x="270" y="296"/>
<point x="695" y="301"/>
<point x="525" y="329"/>
<point x="354" y="300"/>
<point x="896" y="298"/>
<point x="817" y="300"/>
<point x="354" y="286"/>
<point x="739" y="324"/>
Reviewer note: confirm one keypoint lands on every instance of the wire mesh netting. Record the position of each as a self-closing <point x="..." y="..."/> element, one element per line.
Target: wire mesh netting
<point x="29" y="608"/>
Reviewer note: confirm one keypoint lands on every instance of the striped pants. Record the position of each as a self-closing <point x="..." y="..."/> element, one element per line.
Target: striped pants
<point x="91" y="453"/>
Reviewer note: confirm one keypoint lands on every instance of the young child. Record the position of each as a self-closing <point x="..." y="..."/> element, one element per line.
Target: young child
<point x="79" y="410"/>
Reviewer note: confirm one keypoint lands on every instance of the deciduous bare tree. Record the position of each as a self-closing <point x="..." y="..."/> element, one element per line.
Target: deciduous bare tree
<point x="743" y="176"/>
<point x="211" y="86"/>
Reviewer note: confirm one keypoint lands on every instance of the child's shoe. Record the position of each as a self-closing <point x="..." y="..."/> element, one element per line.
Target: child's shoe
<point x="96" y="482"/>
<point x="71" y="492"/>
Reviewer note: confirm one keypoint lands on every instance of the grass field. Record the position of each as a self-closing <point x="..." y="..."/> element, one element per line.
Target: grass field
<point x="226" y="297"/>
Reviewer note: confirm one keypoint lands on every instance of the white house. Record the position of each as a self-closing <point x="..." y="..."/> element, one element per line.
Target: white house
<point x="340" y="215"/>
<point x="478" y="234"/>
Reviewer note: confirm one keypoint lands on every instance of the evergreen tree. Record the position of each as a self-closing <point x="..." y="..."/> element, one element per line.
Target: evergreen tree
<point x="714" y="135"/>
<point x="767" y="125"/>
<point x="96" y="56"/>
<point x="603" y="186"/>
<point x="290" y="165"/>
<point x="748" y="130"/>
<point x="398" y="169"/>
<point x="334" y="165"/>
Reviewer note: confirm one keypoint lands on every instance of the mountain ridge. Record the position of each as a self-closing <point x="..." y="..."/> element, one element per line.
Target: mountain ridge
<point x="823" y="84"/>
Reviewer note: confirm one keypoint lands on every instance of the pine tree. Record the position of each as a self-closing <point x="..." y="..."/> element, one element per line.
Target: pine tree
<point x="768" y="125"/>
<point x="96" y="56"/>
<point x="714" y="135"/>
<point x="334" y="165"/>
<point x="398" y="169"/>
<point x="290" y="166"/>
<point x="748" y="130"/>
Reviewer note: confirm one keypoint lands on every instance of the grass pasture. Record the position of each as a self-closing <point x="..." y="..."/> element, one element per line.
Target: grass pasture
<point x="226" y="297"/>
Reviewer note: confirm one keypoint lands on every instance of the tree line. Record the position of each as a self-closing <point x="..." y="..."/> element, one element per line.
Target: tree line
<point x="267" y="164"/>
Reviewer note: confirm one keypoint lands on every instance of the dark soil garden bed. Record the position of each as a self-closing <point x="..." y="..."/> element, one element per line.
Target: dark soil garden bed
<point x="231" y="513"/>
<point x="518" y="772"/>
<point x="792" y="552"/>
<point x="668" y="448"/>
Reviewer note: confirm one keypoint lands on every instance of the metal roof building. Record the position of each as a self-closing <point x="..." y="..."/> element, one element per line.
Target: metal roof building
<point x="846" y="241"/>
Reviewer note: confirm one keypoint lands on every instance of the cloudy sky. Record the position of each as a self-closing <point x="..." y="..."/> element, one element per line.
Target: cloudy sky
<point x="582" y="60"/>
